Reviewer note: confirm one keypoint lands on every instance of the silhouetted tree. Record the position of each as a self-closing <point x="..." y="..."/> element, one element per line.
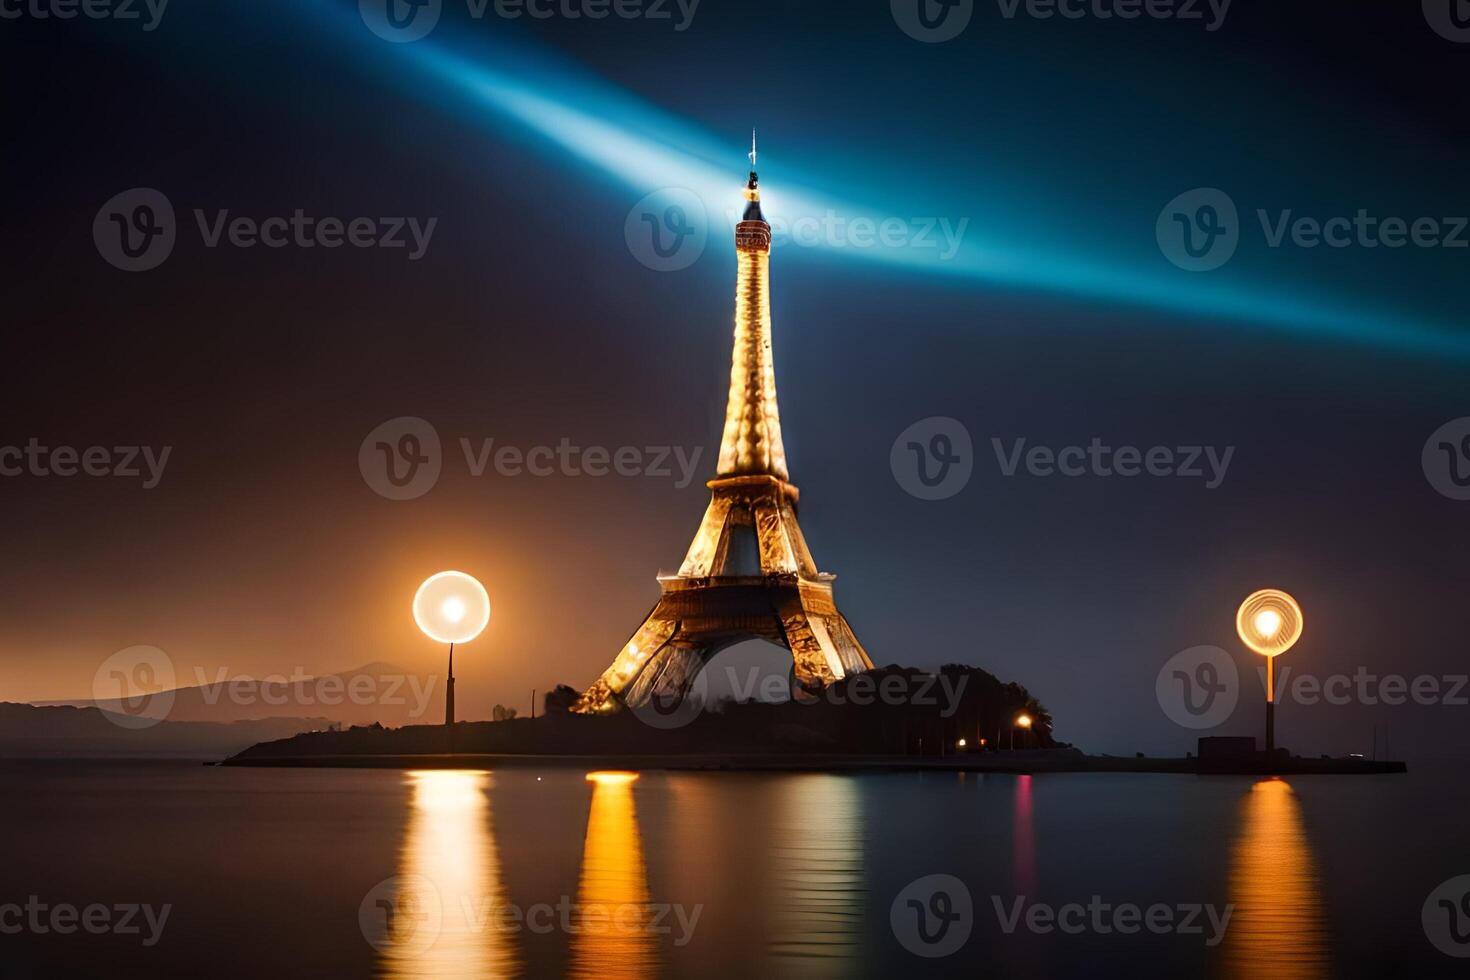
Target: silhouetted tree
<point x="560" y="700"/>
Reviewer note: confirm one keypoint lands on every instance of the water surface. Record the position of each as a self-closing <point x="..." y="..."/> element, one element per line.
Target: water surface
<point x="378" y="873"/>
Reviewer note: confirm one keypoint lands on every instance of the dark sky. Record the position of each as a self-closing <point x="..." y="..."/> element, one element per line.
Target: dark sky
<point x="529" y="319"/>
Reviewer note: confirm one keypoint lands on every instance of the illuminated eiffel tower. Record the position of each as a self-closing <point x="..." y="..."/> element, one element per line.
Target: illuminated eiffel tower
<point x="712" y="602"/>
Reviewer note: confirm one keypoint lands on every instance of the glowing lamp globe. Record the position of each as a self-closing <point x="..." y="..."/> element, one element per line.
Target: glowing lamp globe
<point x="1024" y="721"/>
<point x="1269" y="622"/>
<point x="451" y="607"/>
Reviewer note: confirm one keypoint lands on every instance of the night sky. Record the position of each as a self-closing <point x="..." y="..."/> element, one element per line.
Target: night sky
<point x="529" y="319"/>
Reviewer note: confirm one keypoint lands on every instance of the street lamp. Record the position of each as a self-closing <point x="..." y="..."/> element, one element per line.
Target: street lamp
<point x="1269" y="622"/>
<point x="1023" y="721"/>
<point x="451" y="607"/>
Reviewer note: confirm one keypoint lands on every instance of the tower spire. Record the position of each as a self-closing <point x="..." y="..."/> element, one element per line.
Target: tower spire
<point x="751" y="443"/>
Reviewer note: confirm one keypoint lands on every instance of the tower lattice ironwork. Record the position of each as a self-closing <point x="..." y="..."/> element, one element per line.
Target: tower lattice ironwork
<point x="709" y="605"/>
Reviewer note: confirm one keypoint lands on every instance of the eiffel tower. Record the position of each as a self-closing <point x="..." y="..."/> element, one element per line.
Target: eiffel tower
<point x="712" y="602"/>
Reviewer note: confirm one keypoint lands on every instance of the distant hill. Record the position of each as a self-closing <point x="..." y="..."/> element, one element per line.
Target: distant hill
<point x="376" y="692"/>
<point x="31" y="732"/>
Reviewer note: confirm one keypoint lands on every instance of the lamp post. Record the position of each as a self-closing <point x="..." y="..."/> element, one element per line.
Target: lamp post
<point x="451" y="607"/>
<point x="1023" y="721"/>
<point x="1269" y="622"/>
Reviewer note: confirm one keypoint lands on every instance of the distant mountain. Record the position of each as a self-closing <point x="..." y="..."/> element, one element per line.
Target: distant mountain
<point x="376" y="692"/>
<point x="31" y="732"/>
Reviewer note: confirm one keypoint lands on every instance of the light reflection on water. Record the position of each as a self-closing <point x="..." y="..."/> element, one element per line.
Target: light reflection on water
<point x="815" y="863"/>
<point x="613" y="938"/>
<point x="779" y="874"/>
<point x="449" y="861"/>
<point x="1278" y="930"/>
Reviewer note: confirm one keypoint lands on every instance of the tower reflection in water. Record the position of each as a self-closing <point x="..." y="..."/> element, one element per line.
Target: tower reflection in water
<point x="817" y="868"/>
<point x="450" y="885"/>
<point x="1278" y="930"/>
<point x="613" y="919"/>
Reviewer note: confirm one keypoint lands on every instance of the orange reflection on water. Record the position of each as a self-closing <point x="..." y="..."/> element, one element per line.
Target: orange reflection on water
<point x="1278" y="930"/>
<point x="450" y="875"/>
<point x="613" y="937"/>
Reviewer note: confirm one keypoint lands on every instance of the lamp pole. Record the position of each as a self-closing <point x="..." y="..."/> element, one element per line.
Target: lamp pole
<point x="1270" y="704"/>
<point x="449" y="691"/>
<point x="1269" y="622"/>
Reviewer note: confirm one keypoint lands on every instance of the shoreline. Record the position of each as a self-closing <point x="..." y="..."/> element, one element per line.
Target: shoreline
<point x="1018" y="763"/>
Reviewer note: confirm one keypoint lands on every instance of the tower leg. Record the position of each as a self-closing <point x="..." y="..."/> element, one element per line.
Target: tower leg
<point x="651" y="638"/>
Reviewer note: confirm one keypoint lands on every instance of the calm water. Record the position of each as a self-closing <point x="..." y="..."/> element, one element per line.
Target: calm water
<point x="283" y="873"/>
